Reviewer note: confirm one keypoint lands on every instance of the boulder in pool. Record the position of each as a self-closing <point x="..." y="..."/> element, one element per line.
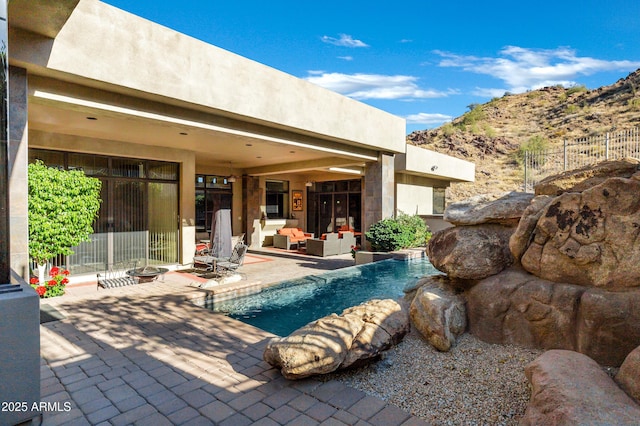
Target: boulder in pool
<point x="357" y="336"/>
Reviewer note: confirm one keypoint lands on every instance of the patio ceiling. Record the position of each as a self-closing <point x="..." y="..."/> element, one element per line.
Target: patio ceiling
<point x="216" y="140"/>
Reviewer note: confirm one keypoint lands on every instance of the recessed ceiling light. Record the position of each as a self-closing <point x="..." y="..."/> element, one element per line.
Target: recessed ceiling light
<point x="248" y="144"/>
<point x="259" y="156"/>
<point x="292" y="152"/>
<point x="91" y="118"/>
<point x="184" y="133"/>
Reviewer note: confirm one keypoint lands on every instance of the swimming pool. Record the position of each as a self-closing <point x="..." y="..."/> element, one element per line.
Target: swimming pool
<point x="289" y="305"/>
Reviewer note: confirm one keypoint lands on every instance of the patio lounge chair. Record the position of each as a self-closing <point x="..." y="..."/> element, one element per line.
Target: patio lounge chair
<point x="222" y="265"/>
<point x="235" y="260"/>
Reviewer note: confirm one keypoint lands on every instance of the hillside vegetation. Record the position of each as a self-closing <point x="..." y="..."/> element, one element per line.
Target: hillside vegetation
<point x="493" y="134"/>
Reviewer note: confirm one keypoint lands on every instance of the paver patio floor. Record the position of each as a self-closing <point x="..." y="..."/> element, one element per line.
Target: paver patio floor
<point x="144" y="355"/>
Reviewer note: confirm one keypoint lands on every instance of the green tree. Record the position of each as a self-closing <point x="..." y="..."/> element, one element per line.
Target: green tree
<point x="62" y="208"/>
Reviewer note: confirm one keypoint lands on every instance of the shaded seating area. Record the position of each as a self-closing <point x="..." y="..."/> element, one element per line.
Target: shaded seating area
<point x="286" y="238"/>
<point x="331" y="244"/>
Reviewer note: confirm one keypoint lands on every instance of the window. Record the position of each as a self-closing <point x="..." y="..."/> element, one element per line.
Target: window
<point x="138" y="217"/>
<point x="277" y="199"/>
<point x="212" y="194"/>
<point x="438" y="200"/>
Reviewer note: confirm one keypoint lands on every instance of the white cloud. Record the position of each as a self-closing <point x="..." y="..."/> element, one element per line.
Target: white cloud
<point x="375" y="86"/>
<point x="427" y="118"/>
<point x="523" y="69"/>
<point x="346" y="58"/>
<point x="488" y="92"/>
<point x="344" y="40"/>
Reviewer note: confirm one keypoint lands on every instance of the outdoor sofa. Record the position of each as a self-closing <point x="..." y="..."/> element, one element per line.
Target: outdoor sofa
<point x="285" y="238"/>
<point x="331" y="244"/>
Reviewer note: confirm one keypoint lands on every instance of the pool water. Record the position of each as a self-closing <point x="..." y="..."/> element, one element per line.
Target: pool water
<point x="289" y="305"/>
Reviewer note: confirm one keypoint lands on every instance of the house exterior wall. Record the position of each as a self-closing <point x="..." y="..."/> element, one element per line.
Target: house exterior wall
<point x="431" y="164"/>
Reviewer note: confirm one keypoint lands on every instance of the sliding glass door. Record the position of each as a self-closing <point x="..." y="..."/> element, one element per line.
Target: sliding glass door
<point x="333" y="206"/>
<point x="138" y="221"/>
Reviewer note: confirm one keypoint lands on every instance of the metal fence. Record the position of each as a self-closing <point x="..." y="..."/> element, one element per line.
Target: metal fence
<point x="579" y="153"/>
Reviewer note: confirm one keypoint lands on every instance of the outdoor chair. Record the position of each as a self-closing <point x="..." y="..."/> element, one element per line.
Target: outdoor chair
<point x="222" y="265"/>
<point x="328" y="246"/>
<point x="347" y="240"/>
<point x="235" y="260"/>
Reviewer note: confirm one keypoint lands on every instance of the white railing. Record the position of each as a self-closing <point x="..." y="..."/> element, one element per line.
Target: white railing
<point x="580" y="153"/>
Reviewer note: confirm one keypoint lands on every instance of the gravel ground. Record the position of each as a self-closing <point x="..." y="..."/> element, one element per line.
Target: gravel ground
<point x="475" y="383"/>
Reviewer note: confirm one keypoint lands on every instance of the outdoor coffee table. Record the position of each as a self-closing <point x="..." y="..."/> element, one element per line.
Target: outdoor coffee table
<point x="147" y="274"/>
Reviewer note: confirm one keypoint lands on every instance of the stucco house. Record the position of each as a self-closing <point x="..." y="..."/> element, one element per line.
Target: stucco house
<point x="177" y="128"/>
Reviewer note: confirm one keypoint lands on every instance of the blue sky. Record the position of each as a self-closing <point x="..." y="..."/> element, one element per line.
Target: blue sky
<point x="422" y="60"/>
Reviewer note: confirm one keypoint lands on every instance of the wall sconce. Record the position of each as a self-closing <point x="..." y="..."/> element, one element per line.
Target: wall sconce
<point x="308" y="184"/>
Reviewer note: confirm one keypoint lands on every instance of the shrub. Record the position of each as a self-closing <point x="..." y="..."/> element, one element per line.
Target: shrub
<point x="448" y="129"/>
<point x="472" y="117"/>
<point x="394" y="234"/>
<point x="577" y="89"/>
<point x="62" y="208"/>
<point x="634" y="104"/>
<point x="416" y="226"/>
<point x="571" y="109"/>
<point x="489" y="131"/>
<point x="535" y="144"/>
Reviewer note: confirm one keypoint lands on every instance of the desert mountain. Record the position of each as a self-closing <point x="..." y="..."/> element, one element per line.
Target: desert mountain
<point x="492" y="134"/>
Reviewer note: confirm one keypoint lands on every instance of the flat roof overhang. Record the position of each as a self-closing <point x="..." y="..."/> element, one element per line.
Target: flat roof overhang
<point x="44" y="17"/>
<point x="434" y="165"/>
<point x="65" y="108"/>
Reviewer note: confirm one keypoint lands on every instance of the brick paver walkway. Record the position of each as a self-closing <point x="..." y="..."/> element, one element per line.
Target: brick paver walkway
<point x="143" y="355"/>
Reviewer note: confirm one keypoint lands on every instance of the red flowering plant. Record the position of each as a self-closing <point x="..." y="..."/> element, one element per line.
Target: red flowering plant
<point x="354" y="249"/>
<point x="52" y="287"/>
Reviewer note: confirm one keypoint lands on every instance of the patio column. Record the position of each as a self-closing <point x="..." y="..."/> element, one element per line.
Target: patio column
<point x="4" y="151"/>
<point x="378" y="196"/>
<point x="251" y="213"/>
<point x="19" y="303"/>
<point x="17" y="167"/>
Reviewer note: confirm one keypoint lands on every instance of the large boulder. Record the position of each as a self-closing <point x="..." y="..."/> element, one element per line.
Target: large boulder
<point x="515" y="307"/>
<point x="590" y="238"/>
<point x="471" y="252"/>
<point x="628" y="376"/>
<point x="569" y="388"/>
<point x="504" y="209"/>
<point x="520" y="238"/>
<point x="579" y="180"/>
<point x="438" y="313"/>
<point x="608" y="325"/>
<point x="385" y="323"/>
<point x="358" y="335"/>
